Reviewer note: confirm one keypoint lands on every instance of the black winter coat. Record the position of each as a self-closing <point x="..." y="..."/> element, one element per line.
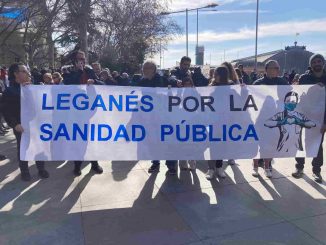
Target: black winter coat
<point x="11" y="104"/>
<point x="271" y="81"/>
<point x="156" y="81"/>
<point x="74" y="77"/>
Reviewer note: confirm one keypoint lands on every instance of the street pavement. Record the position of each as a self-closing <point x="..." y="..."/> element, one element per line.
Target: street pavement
<point x="126" y="205"/>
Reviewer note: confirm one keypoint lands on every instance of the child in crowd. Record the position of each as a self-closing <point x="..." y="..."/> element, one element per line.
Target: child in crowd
<point x="187" y="82"/>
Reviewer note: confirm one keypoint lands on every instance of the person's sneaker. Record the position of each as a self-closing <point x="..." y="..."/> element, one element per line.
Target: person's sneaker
<point x="231" y="162"/>
<point x="221" y="173"/>
<point x="317" y="177"/>
<point x="255" y="172"/>
<point x="171" y="171"/>
<point x="183" y="165"/>
<point x="298" y="173"/>
<point x="268" y="173"/>
<point x="97" y="168"/>
<point x="25" y="176"/>
<point x="77" y="171"/>
<point x="210" y="174"/>
<point x="192" y="165"/>
<point x="43" y="174"/>
<point x="154" y="168"/>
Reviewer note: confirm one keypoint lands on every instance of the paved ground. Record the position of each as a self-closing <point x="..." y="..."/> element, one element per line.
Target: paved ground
<point x="126" y="205"/>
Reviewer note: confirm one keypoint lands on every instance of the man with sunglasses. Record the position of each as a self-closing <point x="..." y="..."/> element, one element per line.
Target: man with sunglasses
<point x="82" y="74"/>
<point x="317" y="75"/>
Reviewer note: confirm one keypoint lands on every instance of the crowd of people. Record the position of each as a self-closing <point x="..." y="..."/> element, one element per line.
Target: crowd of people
<point x="183" y="76"/>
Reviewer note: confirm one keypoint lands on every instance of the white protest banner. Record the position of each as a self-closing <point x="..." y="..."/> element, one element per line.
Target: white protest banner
<point x="129" y="123"/>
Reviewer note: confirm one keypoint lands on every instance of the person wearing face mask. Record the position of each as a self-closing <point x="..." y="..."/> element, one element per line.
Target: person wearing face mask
<point x="317" y="75"/>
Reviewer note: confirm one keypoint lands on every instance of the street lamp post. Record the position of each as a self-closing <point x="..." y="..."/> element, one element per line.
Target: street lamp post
<point x="187" y="34"/>
<point x="197" y="27"/>
<point x="197" y="36"/>
<point x="285" y="62"/>
<point x="212" y="5"/>
<point x="256" y="47"/>
<point x="27" y="48"/>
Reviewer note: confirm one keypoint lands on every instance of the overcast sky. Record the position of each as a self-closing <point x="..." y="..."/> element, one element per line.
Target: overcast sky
<point x="231" y="29"/>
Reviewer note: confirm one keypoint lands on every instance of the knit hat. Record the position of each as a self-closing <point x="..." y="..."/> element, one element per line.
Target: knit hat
<point x="315" y="56"/>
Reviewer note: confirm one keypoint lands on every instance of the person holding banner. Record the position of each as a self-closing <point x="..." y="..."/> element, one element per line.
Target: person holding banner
<point x="233" y="76"/>
<point x="188" y="83"/>
<point x="2" y="132"/>
<point x="19" y="75"/>
<point x="81" y="74"/>
<point x="272" y="69"/>
<point x="152" y="79"/>
<point x="221" y="78"/>
<point x="317" y="75"/>
<point x="184" y="71"/>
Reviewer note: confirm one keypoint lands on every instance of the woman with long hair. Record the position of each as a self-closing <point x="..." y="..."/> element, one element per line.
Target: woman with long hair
<point x="221" y="78"/>
<point x="232" y="73"/>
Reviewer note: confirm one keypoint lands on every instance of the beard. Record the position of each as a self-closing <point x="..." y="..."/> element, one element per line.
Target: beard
<point x="317" y="68"/>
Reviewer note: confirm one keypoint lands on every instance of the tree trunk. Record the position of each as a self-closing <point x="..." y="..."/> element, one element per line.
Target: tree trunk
<point x="84" y="19"/>
<point x="83" y="36"/>
<point x="26" y="45"/>
<point x="50" y="46"/>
